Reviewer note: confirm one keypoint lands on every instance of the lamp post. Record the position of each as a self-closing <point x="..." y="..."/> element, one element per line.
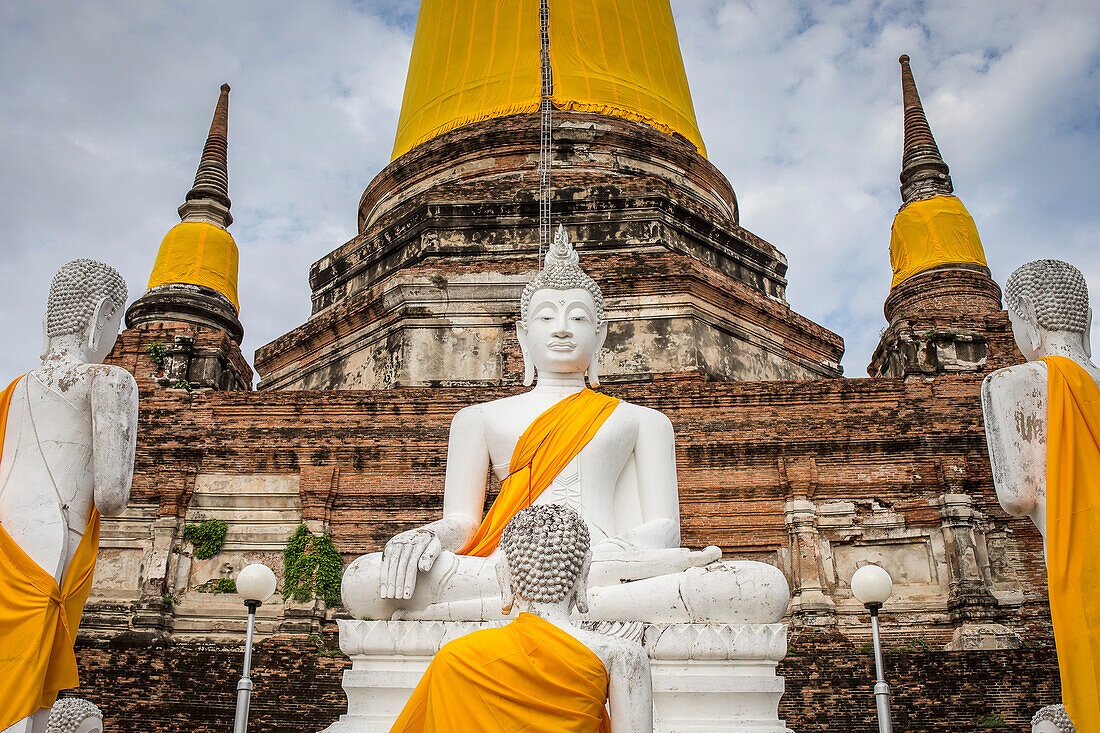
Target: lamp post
<point x="872" y="586"/>
<point x="255" y="584"/>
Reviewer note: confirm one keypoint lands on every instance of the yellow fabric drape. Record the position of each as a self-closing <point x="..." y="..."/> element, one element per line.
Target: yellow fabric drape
<point x="529" y="677"/>
<point x="478" y="59"/>
<point x="38" y="620"/>
<point x="622" y="58"/>
<point x="1073" y="527"/>
<point x="933" y="232"/>
<point x="544" y="449"/>
<point x="198" y="253"/>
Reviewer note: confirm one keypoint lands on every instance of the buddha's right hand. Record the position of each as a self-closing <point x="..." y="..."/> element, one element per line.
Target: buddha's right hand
<point x="404" y="555"/>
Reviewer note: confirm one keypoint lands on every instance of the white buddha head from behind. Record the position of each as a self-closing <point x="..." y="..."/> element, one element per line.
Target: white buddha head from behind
<point x="546" y="557"/>
<point x="561" y="327"/>
<point x="1048" y="300"/>
<point x="83" y="312"/>
<point x="1051" y="719"/>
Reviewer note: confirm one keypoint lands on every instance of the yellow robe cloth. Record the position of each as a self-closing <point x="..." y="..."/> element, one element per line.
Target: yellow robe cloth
<point x="933" y="232"/>
<point x="544" y="449"/>
<point x="1073" y="530"/>
<point x="477" y="59"/>
<point x="526" y="677"/>
<point x="198" y="253"/>
<point x="38" y="620"/>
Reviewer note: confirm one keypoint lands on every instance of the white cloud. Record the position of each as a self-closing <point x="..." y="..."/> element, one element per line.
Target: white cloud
<point x="104" y="109"/>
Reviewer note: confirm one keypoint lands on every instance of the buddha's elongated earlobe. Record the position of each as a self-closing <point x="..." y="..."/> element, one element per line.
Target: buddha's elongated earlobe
<point x="96" y="323"/>
<point x="1031" y="321"/>
<point x="504" y="579"/>
<point x="1086" y="339"/>
<point x="528" y="366"/>
<point x="580" y="588"/>
<point x="594" y="364"/>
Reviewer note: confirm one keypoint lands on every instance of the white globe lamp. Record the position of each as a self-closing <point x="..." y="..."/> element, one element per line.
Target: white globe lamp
<point x="255" y="584"/>
<point x="872" y="586"/>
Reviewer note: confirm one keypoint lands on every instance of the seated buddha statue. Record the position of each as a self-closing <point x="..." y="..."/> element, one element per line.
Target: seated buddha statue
<point x="540" y="673"/>
<point x="1042" y="423"/>
<point x="67" y="436"/>
<point x="562" y="443"/>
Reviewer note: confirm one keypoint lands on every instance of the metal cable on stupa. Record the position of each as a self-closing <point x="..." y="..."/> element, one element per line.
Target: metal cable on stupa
<point x="544" y="138"/>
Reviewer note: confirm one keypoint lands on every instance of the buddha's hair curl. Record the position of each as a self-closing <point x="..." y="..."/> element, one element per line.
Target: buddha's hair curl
<point x="1058" y="291"/>
<point x="1054" y="714"/>
<point x="561" y="271"/>
<point x="75" y="292"/>
<point x="545" y="546"/>
<point x="69" y="712"/>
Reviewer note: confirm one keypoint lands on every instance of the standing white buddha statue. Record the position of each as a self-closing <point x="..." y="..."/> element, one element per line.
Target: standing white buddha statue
<point x="69" y="430"/>
<point x="561" y="443"/>
<point x="1042" y="423"/>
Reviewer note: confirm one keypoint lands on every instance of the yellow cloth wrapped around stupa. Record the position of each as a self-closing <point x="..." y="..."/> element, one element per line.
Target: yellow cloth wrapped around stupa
<point x="198" y="253"/>
<point x="933" y="232"/>
<point x="477" y="59"/>
<point x="527" y="677"/>
<point x="1073" y="528"/>
<point x="38" y="619"/>
<point x="544" y="449"/>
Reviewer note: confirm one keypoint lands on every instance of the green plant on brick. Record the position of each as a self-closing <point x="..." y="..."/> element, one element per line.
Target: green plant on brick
<point x="312" y="567"/>
<point x="225" y="585"/>
<point x="992" y="721"/>
<point x="156" y="353"/>
<point x="207" y="537"/>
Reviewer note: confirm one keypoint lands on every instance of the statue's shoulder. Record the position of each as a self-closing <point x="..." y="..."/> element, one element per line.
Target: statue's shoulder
<point x="1010" y="380"/>
<point x="646" y="417"/>
<point x="620" y="656"/>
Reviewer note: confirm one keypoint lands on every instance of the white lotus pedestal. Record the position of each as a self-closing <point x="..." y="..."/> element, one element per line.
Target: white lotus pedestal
<point x="706" y="677"/>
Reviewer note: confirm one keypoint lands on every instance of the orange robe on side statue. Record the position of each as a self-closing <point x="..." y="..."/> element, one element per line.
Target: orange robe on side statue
<point x="529" y="676"/>
<point x="544" y="449"/>
<point x="1073" y="529"/>
<point x="38" y="619"/>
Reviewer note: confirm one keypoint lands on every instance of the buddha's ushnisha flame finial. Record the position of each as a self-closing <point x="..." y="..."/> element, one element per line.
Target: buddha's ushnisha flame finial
<point x="561" y="271"/>
<point x="923" y="170"/>
<point x="212" y="177"/>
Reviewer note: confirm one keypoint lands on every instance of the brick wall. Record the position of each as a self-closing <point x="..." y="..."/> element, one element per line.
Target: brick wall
<point x="190" y="687"/>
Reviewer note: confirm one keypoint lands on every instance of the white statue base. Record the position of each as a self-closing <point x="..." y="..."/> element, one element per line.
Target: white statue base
<point x="706" y="677"/>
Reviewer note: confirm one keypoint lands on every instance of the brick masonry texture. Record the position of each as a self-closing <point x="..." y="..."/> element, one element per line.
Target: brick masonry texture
<point x="189" y="687"/>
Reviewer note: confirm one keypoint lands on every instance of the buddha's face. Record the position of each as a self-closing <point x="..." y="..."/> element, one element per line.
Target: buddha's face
<point x="562" y="335"/>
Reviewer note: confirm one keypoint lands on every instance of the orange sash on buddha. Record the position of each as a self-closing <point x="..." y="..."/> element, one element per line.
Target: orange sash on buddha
<point x="38" y="620"/>
<point x="1073" y="530"/>
<point x="528" y="676"/>
<point x="544" y="449"/>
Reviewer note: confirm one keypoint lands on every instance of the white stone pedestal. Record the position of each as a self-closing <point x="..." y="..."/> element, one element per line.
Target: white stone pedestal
<point x="706" y="677"/>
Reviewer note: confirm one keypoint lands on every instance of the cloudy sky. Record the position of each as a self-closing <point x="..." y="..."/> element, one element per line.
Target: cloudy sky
<point x="104" y="108"/>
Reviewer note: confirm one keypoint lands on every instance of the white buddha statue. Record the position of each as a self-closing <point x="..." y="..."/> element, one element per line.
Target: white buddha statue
<point x="540" y="673"/>
<point x="611" y="461"/>
<point x="1042" y="423"/>
<point x="1048" y="305"/>
<point x="69" y="433"/>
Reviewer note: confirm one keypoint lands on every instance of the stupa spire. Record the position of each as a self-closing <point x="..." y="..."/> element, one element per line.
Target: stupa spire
<point x="212" y="178"/>
<point x="923" y="170"/>
<point x="194" y="278"/>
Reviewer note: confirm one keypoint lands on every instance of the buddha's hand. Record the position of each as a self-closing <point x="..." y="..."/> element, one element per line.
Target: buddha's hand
<point x="404" y="554"/>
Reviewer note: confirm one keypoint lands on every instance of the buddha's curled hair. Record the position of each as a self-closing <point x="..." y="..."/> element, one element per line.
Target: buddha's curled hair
<point x="545" y="546"/>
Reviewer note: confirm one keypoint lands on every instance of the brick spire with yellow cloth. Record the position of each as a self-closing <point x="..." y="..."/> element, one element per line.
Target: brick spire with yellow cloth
<point x="933" y="228"/>
<point x="944" y="309"/>
<point x="479" y="59"/>
<point x="194" y="278"/>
